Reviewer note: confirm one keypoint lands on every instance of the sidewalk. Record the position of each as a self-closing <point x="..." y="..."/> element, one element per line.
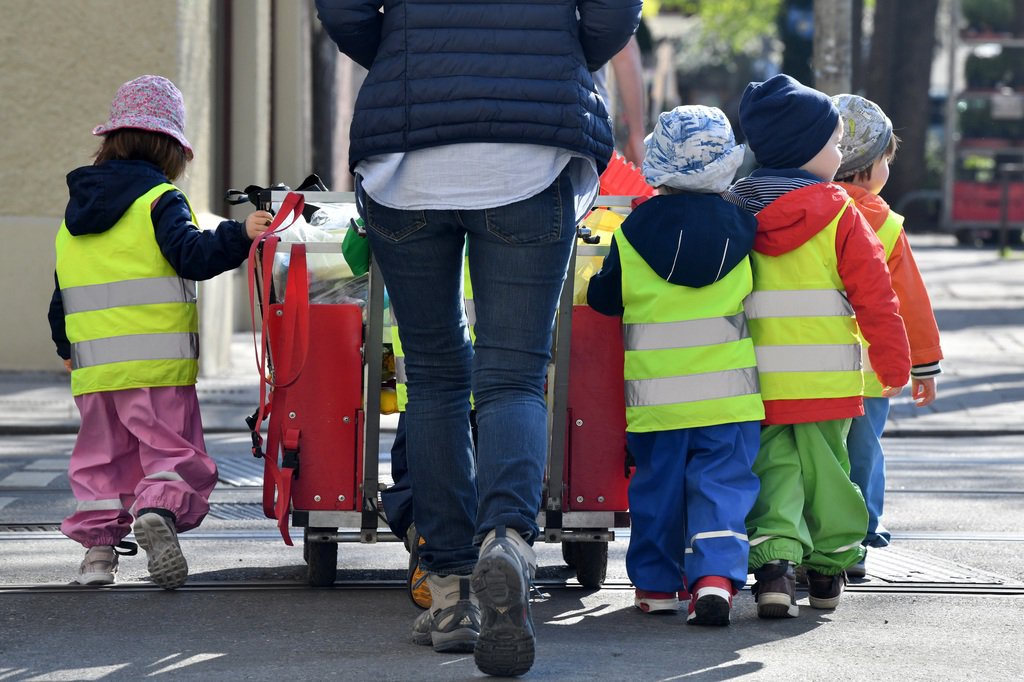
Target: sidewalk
<point x="978" y="299"/>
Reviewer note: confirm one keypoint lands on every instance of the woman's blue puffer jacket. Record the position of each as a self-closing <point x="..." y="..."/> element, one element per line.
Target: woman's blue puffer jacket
<point x="479" y="71"/>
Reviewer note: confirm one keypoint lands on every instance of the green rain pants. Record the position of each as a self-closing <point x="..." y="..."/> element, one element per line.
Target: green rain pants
<point x="808" y="511"/>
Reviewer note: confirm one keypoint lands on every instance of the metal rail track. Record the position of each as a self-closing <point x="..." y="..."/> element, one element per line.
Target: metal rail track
<point x="978" y="590"/>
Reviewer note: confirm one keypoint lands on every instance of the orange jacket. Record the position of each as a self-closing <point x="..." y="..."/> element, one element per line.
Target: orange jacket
<point x="915" y="306"/>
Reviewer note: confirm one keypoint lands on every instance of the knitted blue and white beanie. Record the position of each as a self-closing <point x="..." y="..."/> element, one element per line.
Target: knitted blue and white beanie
<point x="692" y="148"/>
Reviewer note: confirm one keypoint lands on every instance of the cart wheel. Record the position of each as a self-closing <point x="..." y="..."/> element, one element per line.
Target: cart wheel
<point x="569" y="553"/>
<point x="591" y="563"/>
<point x="321" y="561"/>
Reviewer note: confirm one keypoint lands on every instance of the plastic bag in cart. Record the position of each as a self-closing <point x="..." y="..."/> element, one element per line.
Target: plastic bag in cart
<point x="331" y="279"/>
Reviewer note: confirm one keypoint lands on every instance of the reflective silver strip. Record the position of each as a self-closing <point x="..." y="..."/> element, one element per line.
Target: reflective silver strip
<point x="98" y="505"/>
<point x="394" y="320"/>
<point x="692" y="387"/>
<point x="715" y="534"/>
<point x="177" y="346"/>
<point x="165" y="476"/>
<point x="718" y="534"/>
<point x="845" y="548"/>
<point x="400" y="369"/>
<point x="470" y="311"/>
<point x="798" y="303"/>
<point x="757" y="541"/>
<point x="809" y="358"/>
<point x="688" y="334"/>
<point x="130" y="292"/>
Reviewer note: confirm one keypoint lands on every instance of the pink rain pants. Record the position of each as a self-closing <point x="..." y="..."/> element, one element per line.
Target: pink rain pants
<point x="138" y="448"/>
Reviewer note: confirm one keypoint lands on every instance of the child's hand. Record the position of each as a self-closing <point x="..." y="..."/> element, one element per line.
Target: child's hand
<point x="257" y="223"/>
<point x="67" y="364"/>
<point x="922" y="391"/>
<point x="891" y="391"/>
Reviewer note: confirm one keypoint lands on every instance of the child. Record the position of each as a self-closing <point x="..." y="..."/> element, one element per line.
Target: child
<point x="123" y="317"/>
<point x="677" y="273"/>
<point x="816" y="264"/>
<point x="868" y="146"/>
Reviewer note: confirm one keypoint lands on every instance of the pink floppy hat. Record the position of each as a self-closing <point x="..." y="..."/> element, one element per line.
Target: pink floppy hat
<point x="148" y="103"/>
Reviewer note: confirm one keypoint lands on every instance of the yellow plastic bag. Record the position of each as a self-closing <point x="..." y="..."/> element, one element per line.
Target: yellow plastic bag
<point x="602" y="223"/>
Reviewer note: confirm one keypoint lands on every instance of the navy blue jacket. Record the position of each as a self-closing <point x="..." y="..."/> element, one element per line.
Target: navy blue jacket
<point x="479" y="71"/>
<point x="689" y="239"/>
<point x="99" y="197"/>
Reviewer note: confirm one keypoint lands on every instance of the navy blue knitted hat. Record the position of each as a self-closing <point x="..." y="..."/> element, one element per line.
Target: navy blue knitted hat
<point x="786" y="123"/>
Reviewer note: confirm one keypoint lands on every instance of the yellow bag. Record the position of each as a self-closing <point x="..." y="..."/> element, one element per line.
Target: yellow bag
<point x="602" y="223"/>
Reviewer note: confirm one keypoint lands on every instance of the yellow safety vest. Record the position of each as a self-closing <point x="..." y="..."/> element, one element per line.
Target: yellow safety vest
<point x="131" y="320"/>
<point x="888" y="234"/>
<point x="689" y="357"/>
<point x="802" y="323"/>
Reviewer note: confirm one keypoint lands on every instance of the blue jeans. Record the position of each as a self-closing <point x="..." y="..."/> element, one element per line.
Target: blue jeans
<point x="867" y="465"/>
<point x="518" y="256"/>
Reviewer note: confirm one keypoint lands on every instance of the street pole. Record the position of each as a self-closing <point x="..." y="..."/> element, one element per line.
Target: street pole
<point x="833" y="30"/>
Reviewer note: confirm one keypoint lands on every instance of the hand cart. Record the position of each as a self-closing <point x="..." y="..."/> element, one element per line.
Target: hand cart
<point x="321" y="369"/>
<point x="324" y="374"/>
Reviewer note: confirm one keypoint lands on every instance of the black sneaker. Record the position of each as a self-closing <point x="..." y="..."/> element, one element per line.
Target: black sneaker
<point x="501" y="581"/>
<point x="775" y="590"/>
<point x="825" y="590"/>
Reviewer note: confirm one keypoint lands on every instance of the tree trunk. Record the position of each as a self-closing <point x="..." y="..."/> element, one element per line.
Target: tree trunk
<point x="856" y="46"/>
<point x="833" y="24"/>
<point x="898" y="79"/>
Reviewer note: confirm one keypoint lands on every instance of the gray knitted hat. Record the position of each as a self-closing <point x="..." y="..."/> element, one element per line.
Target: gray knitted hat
<point x="866" y="133"/>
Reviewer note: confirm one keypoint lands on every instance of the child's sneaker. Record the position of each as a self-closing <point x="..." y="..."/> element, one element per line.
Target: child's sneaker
<point x="711" y="602"/>
<point x="825" y="590"/>
<point x="98" y="567"/>
<point x="501" y="581"/>
<point x="656" y="602"/>
<point x="775" y="590"/>
<point x="154" y="529"/>
<point x="100" y="563"/>
<point x="452" y="624"/>
<point x="416" y="577"/>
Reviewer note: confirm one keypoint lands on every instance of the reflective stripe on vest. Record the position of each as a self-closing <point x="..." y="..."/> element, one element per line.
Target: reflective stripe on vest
<point x="799" y="303"/>
<point x="689" y="357"/>
<point x="97" y="352"/>
<point x="802" y="323"/>
<point x="888" y="234"/>
<point x="131" y="292"/>
<point x="808" y="358"/>
<point x="131" y="320"/>
<point x="691" y="388"/>
<point x="687" y="334"/>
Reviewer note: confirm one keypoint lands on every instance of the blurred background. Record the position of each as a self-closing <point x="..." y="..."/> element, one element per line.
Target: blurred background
<point x="269" y="100"/>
